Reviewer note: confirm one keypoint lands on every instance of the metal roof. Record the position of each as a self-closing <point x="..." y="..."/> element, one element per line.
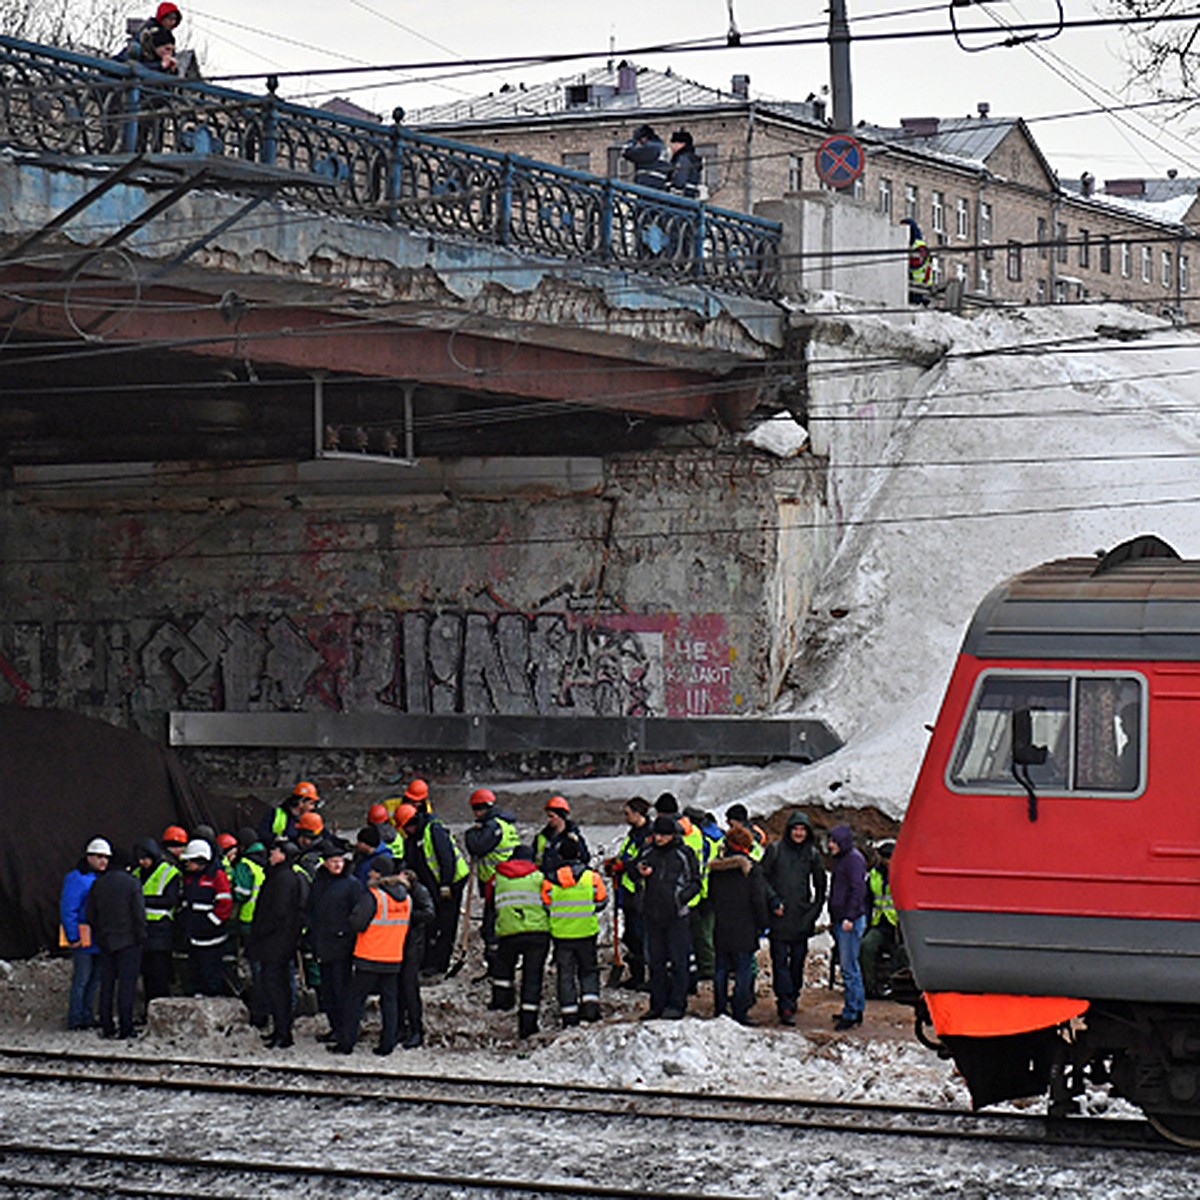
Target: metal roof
<point x="1137" y="608"/>
<point x="519" y="102"/>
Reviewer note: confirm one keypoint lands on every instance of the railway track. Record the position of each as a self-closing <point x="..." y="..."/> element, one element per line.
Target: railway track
<point x="247" y="1083"/>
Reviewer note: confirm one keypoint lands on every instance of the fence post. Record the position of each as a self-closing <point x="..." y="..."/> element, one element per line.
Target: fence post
<point x="395" y="180"/>
<point x="270" y="142"/>
<point x="504" y="207"/>
<point x="701" y="233"/>
<point x="133" y="103"/>
<point x="606" y="220"/>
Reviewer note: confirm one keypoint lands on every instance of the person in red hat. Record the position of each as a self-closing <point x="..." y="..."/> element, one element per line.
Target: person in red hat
<point x="156" y="42"/>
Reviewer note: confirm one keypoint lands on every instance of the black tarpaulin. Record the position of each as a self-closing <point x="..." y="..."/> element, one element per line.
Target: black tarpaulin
<point x="65" y="779"/>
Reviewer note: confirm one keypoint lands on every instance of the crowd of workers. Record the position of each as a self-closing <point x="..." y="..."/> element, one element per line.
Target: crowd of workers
<point x="291" y="904"/>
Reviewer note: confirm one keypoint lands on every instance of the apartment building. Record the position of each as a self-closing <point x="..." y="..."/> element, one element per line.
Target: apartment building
<point x="991" y="207"/>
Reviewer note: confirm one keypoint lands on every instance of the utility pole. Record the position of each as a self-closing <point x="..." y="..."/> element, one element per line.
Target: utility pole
<point x="839" y="67"/>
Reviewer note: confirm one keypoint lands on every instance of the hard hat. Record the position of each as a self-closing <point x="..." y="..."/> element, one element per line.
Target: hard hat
<point x="197" y="850"/>
<point x="175" y="835"/>
<point x="226" y="841"/>
<point x="558" y="804"/>
<point x="377" y="815"/>
<point x="481" y="797"/>
<point x="403" y="814"/>
<point x="311" y="823"/>
<point x="306" y="789"/>
<point x="417" y="790"/>
<point x="99" y="846"/>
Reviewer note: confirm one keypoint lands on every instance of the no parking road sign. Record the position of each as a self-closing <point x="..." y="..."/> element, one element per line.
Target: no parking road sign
<point x="839" y="160"/>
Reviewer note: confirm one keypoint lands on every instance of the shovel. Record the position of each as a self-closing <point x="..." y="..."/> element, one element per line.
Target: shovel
<point x="460" y="956"/>
<point x="618" y="967"/>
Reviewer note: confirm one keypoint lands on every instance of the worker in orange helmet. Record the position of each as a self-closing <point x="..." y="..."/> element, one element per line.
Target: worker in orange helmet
<point x="558" y="826"/>
<point x="417" y="794"/>
<point x="434" y="857"/>
<point x="282" y="820"/>
<point x="491" y="840"/>
<point x="174" y="839"/>
<point x="380" y="816"/>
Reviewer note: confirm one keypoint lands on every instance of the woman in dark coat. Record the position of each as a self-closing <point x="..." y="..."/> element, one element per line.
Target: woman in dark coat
<point x="275" y="937"/>
<point x="796" y="885"/>
<point x="739" y="900"/>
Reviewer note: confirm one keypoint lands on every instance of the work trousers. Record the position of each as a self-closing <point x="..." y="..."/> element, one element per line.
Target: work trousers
<point x="787" y="971"/>
<point x="85" y="978"/>
<point x="740" y="965"/>
<point x="848" y="944"/>
<point x="363" y="982"/>
<point x="445" y="929"/>
<point x="119" y="971"/>
<point x="530" y="951"/>
<point x="207" y="969"/>
<point x="157" y="968"/>
<point x="332" y="990"/>
<point x="577" y="977"/>
<point x="668" y="947"/>
<point x="275" y="976"/>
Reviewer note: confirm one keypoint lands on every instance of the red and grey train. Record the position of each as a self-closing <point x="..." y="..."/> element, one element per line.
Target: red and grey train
<point x="1047" y="873"/>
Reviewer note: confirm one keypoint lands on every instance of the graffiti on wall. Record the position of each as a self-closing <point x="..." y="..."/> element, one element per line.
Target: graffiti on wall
<point x="414" y="661"/>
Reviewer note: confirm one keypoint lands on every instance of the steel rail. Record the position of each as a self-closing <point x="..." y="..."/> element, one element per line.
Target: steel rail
<point x="487" y="1185"/>
<point x="598" y="1100"/>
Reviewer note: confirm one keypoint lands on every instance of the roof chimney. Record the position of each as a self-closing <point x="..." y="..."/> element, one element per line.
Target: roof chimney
<point x="741" y="87"/>
<point x="626" y="79"/>
<point x="984" y="108"/>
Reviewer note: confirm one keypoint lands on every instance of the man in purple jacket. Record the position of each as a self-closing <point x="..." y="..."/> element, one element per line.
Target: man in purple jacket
<point x="848" y="920"/>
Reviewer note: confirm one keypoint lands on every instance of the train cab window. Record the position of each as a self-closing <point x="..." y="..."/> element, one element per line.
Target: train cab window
<point x="1089" y="725"/>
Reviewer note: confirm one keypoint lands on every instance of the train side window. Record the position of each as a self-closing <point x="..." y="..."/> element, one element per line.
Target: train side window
<point x="1108" y="735"/>
<point x="984" y="755"/>
<point x="1091" y="725"/>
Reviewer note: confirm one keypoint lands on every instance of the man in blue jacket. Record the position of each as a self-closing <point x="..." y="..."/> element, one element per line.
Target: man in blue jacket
<point x="848" y="920"/>
<point x="77" y="935"/>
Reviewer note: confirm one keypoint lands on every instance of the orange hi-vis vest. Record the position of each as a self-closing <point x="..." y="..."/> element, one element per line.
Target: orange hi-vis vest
<point x="383" y="940"/>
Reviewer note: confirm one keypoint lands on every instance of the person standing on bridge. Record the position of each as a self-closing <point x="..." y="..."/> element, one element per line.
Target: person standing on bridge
<point x="156" y="42"/>
<point x="651" y="166"/>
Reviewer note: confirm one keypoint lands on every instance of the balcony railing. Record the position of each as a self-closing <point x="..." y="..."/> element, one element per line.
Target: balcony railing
<point x="73" y="105"/>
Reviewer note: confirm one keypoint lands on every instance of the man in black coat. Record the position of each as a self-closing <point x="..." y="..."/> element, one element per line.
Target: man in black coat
<point x="669" y="876"/>
<point x="739" y="900"/>
<point x="275" y="936"/>
<point x="116" y="911"/>
<point x="331" y="900"/>
<point x="796" y="885"/>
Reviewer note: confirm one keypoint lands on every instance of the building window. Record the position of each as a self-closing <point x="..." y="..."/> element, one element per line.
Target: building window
<point x="1060" y="242"/>
<point x="1126" y="260"/>
<point x="1146" y="271"/>
<point x="935" y="271"/>
<point x="960" y="271"/>
<point x="985" y="281"/>
<point x="577" y="160"/>
<point x="1043" y="236"/>
<point x="1060" y="292"/>
<point x="985" y="222"/>
<point x="939" y="213"/>
<point x="1085" y="248"/>
<point x="618" y="167"/>
<point x="962" y="217"/>
<point x="860" y="189"/>
<point x="910" y="200"/>
<point x="885" y="196"/>
<point x="795" y="172"/>
<point x="1165" y="268"/>
<point x="1014" y="261"/>
<point x="1105" y="254"/>
<point x="1183" y="273"/>
<point x="710" y="173"/>
<point x="1041" y="291"/>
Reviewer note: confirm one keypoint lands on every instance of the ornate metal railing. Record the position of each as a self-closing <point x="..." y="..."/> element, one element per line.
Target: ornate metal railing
<point x="71" y="104"/>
